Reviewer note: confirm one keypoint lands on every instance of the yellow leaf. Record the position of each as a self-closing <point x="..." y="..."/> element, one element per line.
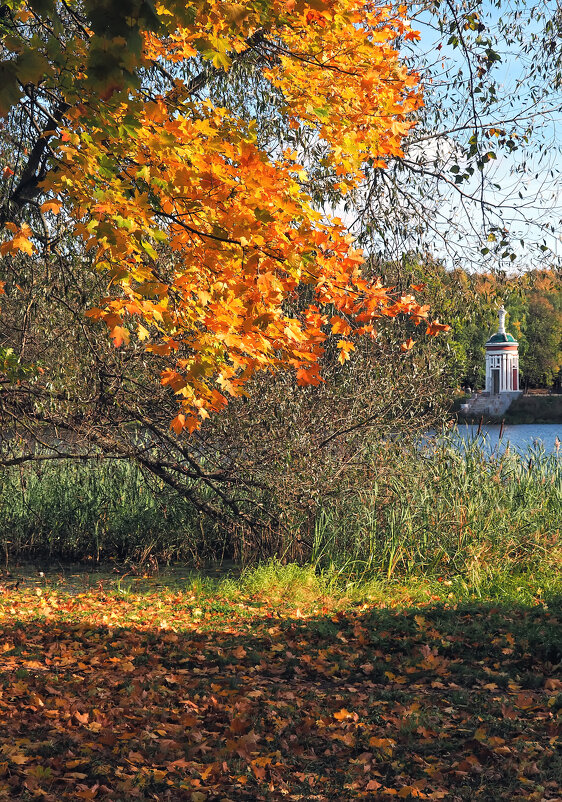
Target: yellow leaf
<point x="19" y="759"/>
<point x="120" y="335"/>
<point x="409" y="790"/>
<point x="159" y="775"/>
<point x="142" y="332"/>
<point x="340" y="326"/>
<point x="382" y="743"/>
<point x="20" y="242"/>
<point x="71" y="764"/>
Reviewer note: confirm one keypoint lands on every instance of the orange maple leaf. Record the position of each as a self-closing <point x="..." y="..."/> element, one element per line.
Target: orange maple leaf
<point x="435" y="327"/>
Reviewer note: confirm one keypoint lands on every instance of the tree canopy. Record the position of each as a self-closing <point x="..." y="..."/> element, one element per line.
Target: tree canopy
<point x="212" y="251"/>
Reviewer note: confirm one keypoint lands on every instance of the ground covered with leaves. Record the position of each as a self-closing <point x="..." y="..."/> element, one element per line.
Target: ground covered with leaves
<point x="163" y="693"/>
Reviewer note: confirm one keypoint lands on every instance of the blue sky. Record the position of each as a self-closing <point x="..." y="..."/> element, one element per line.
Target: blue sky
<point x="522" y="188"/>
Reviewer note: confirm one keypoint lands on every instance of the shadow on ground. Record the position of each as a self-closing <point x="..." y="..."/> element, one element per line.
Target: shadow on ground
<point x="121" y="699"/>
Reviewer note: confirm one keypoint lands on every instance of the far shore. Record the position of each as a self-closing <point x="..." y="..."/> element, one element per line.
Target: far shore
<point x="528" y="408"/>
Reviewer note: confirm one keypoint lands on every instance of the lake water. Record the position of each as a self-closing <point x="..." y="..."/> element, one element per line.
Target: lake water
<point x="518" y="436"/>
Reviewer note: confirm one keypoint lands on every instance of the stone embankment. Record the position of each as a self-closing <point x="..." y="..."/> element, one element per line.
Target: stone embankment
<point x="487" y="405"/>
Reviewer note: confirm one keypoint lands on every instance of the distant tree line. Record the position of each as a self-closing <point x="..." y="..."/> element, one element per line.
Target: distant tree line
<point x="469" y="303"/>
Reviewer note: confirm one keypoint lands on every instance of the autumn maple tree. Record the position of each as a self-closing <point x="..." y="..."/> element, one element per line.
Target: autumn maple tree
<point x="204" y="235"/>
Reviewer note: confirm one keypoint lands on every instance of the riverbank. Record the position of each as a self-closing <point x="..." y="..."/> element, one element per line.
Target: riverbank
<point x="527" y="409"/>
<point x="535" y="409"/>
<point x="436" y="511"/>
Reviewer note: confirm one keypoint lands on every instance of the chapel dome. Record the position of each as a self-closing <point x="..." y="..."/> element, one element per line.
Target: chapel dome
<point x="501" y="338"/>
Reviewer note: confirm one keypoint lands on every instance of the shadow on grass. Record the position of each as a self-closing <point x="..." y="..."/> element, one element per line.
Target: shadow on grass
<point x="75" y="578"/>
<point x="437" y="702"/>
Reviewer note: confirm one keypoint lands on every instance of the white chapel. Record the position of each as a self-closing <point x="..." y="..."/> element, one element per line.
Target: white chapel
<point x="502" y="375"/>
<point x="502" y="361"/>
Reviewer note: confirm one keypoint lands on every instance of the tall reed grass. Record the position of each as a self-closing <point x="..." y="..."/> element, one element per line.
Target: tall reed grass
<point x="96" y="511"/>
<point x="448" y="508"/>
<point x="439" y="510"/>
